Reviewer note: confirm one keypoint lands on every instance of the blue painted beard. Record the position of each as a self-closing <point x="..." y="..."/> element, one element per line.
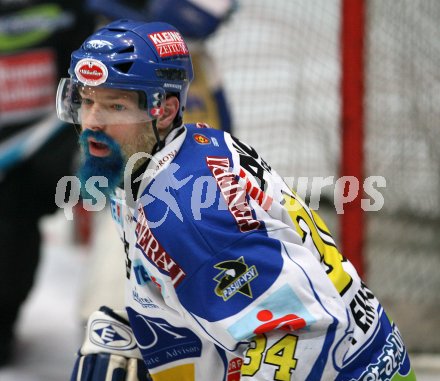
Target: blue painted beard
<point x="111" y="166"/>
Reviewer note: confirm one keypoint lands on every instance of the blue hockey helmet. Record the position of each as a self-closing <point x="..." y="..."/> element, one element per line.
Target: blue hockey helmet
<point x="151" y="58"/>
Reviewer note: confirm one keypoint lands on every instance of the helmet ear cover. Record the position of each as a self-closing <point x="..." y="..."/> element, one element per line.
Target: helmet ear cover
<point x="173" y="75"/>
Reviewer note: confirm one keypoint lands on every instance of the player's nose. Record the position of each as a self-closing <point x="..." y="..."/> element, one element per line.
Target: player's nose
<point x="94" y="119"/>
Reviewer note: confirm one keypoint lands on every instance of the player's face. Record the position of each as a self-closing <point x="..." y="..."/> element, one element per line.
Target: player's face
<point x="117" y="114"/>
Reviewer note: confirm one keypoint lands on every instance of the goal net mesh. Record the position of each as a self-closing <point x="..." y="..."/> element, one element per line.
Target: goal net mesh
<point x="281" y="68"/>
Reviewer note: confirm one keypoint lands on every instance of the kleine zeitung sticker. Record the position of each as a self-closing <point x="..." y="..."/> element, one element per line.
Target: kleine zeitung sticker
<point x="169" y="43"/>
<point x="91" y="72"/>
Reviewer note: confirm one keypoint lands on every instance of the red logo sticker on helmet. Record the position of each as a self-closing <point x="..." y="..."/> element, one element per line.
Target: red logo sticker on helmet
<point x="201" y="139"/>
<point x="91" y="72"/>
<point x="156" y="111"/>
<point x="169" y="43"/>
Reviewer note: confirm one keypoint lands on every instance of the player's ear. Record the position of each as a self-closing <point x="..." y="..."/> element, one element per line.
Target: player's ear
<point x="171" y="108"/>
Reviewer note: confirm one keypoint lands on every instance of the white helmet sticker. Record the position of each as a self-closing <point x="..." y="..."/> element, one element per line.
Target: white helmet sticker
<point x="91" y="72"/>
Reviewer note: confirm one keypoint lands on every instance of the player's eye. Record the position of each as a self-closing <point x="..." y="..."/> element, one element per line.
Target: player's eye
<point x="119" y="107"/>
<point x="86" y="102"/>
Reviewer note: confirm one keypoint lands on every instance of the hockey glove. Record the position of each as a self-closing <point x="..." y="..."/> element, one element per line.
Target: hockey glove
<point x="109" y="351"/>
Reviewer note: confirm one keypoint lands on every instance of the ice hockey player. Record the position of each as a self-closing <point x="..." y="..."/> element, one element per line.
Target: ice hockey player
<point x="229" y="275"/>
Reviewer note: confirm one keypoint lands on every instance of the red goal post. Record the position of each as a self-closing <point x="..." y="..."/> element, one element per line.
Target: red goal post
<point x="352" y="125"/>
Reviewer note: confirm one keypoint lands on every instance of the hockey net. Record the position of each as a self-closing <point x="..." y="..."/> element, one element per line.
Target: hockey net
<point x="281" y="68"/>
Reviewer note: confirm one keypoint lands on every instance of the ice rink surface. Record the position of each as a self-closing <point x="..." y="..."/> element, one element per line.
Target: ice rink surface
<point x="50" y="330"/>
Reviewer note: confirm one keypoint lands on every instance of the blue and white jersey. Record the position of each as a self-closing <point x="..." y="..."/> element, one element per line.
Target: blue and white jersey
<point x="232" y="277"/>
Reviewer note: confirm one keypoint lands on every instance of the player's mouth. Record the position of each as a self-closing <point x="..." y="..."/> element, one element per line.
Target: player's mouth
<point x="98" y="149"/>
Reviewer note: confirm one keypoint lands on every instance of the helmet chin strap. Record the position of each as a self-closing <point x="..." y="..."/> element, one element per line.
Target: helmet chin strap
<point x="160" y="143"/>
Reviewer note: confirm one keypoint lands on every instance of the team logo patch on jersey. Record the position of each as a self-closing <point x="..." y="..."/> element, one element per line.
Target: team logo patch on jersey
<point x="91" y="72"/>
<point x="169" y="43"/>
<point x="201" y="139"/>
<point x="235" y="276"/>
